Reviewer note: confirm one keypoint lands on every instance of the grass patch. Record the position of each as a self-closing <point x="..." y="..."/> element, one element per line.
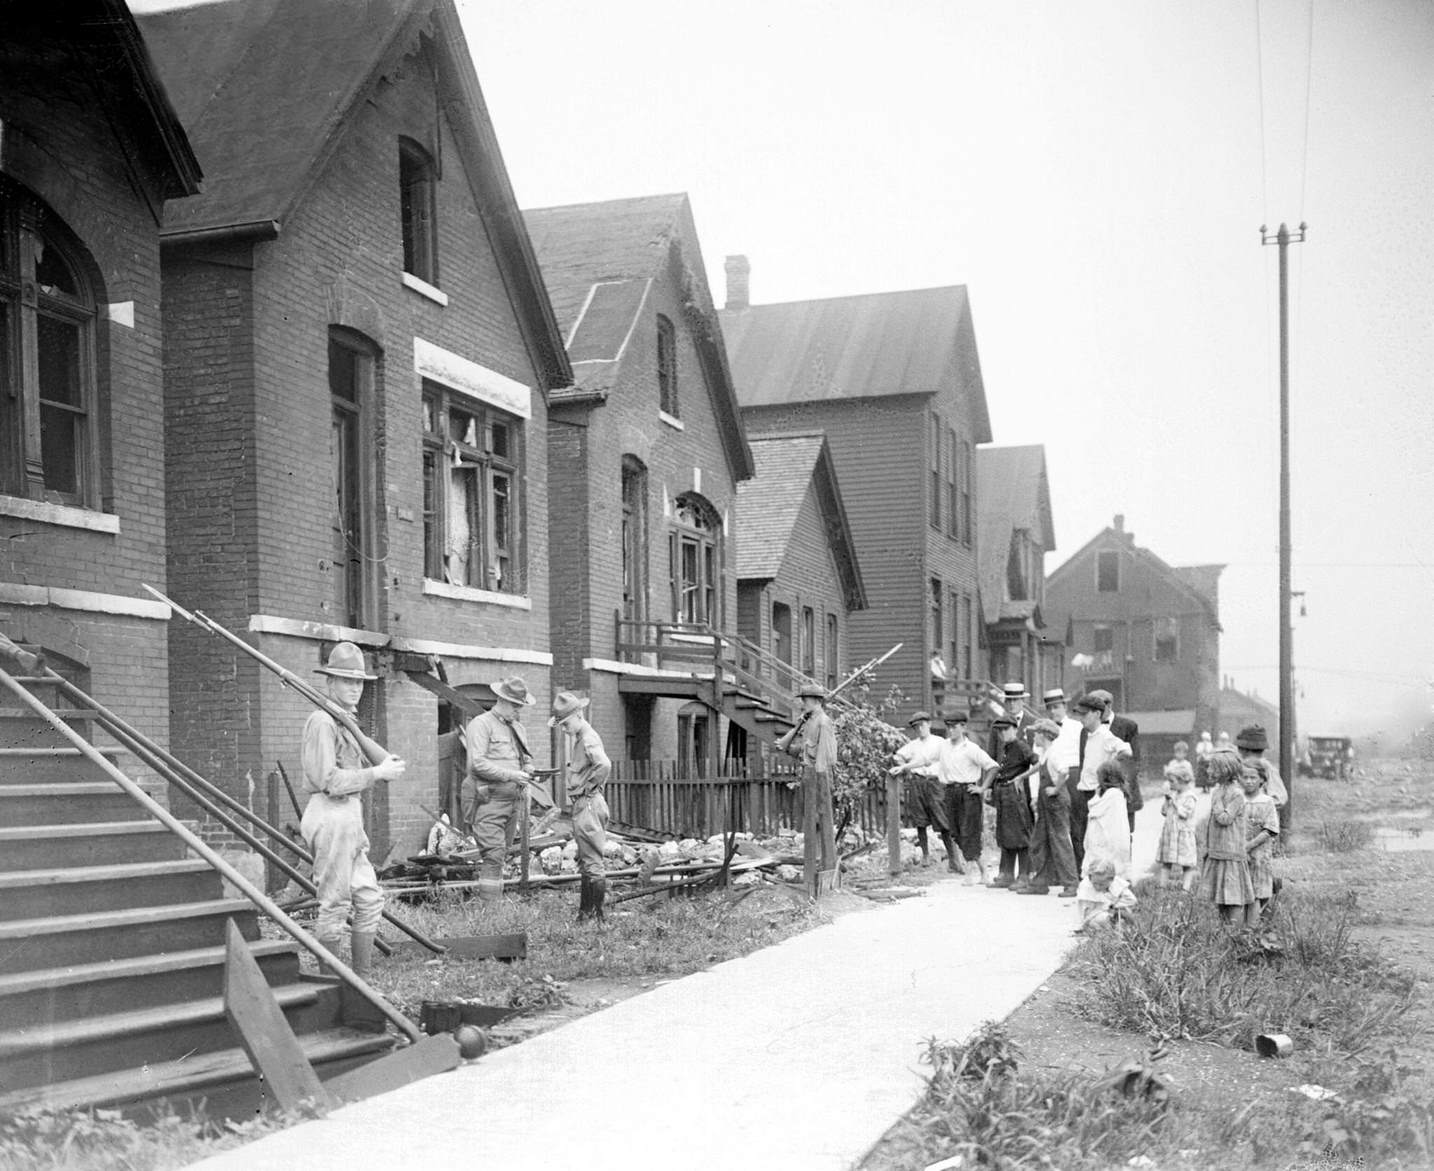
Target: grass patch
<point x="1179" y="972"/>
<point x="1344" y="837"/>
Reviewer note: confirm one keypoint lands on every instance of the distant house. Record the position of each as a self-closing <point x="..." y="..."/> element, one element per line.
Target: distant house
<point x="90" y="151"/>
<point x="798" y="581"/>
<point x="647" y="449"/>
<point x="893" y="380"/>
<point x="1015" y="533"/>
<point x="1241" y="708"/>
<point x="358" y="352"/>
<point x="1147" y="632"/>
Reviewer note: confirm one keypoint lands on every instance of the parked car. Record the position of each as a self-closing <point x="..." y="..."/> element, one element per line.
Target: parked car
<point x="1330" y="756"/>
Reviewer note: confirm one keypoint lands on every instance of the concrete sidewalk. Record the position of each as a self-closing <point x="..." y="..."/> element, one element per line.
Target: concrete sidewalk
<point x="801" y="1055"/>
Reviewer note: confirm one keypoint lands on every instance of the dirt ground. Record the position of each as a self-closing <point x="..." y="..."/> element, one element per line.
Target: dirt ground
<point x="1393" y="878"/>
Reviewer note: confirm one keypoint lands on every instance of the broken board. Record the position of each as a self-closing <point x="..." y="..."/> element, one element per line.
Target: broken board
<point x="273" y="1049"/>
<point x="435" y="1054"/>
<point x="474" y="947"/>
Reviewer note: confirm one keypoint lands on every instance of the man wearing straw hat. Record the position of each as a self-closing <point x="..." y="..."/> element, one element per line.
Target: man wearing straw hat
<point x="588" y="771"/>
<point x="812" y="740"/>
<point x="335" y="772"/>
<point x="499" y="766"/>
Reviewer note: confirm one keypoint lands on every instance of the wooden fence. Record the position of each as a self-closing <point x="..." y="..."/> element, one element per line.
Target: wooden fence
<point x="749" y="797"/>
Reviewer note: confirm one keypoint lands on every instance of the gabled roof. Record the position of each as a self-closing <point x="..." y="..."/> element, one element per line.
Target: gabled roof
<point x="1204" y="580"/>
<point x="768" y="506"/>
<point x="875" y="344"/>
<point x="599" y="262"/>
<point x="1183" y="578"/>
<point x="108" y="49"/>
<point x="1012" y="493"/>
<point x="266" y="88"/>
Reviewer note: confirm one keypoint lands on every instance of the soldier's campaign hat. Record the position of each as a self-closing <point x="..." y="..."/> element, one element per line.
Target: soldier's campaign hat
<point x="917" y="718"/>
<point x="1046" y="728"/>
<point x="1016" y="691"/>
<point x="345" y="662"/>
<point x="815" y="690"/>
<point x="1054" y="695"/>
<point x="565" y="703"/>
<point x="1103" y="697"/>
<point x="514" y="690"/>
<point x="1003" y="722"/>
<point x="1252" y="737"/>
<point x="956" y="717"/>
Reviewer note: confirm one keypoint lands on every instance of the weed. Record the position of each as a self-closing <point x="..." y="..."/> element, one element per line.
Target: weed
<point x="1344" y="837"/>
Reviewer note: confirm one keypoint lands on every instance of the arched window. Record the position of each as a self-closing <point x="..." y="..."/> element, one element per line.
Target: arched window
<point x="634" y="538"/>
<point x="695" y="563"/>
<point x="49" y="413"/>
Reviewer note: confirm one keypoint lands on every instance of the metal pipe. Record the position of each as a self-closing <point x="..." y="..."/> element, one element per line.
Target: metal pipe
<point x="210" y="855"/>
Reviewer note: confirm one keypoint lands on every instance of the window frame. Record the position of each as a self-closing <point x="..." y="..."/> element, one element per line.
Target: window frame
<point x="634" y="539"/>
<point x="418" y="217"/>
<point x="667" y="387"/>
<point x="965" y="481"/>
<point x="934" y="460"/>
<point x="28" y="230"/>
<point x="1173" y="641"/>
<point x="1096" y="630"/>
<point x="697" y="526"/>
<point x="833" y="649"/>
<point x="935" y="604"/>
<point x="809" y="642"/>
<point x="953" y="495"/>
<point x="492" y="566"/>
<point x="1103" y="558"/>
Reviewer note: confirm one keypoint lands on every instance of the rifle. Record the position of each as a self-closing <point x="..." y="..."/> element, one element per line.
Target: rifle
<point x="372" y="750"/>
<point x="870" y="665"/>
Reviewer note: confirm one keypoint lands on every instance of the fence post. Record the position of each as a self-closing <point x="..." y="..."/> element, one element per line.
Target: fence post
<point x="893" y="824"/>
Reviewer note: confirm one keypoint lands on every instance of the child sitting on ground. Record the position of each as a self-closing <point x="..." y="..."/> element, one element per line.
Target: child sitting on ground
<point x="1262" y="827"/>
<point x="1105" y="898"/>
<point x="1177" y="836"/>
<point x="1107" y="827"/>
<point x="1225" y="874"/>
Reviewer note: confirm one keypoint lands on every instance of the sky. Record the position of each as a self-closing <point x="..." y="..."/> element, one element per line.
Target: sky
<point x="1096" y="174"/>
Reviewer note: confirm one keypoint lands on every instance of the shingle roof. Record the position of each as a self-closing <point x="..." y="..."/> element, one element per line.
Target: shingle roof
<point x="1198" y="581"/>
<point x="768" y="505"/>
<point x="1012" y="492"/>
<point x="599" y="261"/>
<point x="913" y="342"/>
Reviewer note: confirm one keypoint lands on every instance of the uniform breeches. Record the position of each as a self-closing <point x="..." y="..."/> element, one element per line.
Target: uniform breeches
<point x="495" y="820"/>
<point x="343" y="874"/>
<point x="590" y="832"/>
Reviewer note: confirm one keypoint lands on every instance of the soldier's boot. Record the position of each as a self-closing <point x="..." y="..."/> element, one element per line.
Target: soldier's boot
<point x="356" y="1011"/>
<point x="585" y="901"/>
<point x="490" y="883"/>
<point x="362" y="943"/>
<point x="332" y="944"/>
<point x="599" y="893"/>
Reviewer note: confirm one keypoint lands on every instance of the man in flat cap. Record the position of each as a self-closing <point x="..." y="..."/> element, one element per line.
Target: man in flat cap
<point x="1099" y="745"/>
<point x="336" y="771"/>
<point x="926" y="803"/>
<point x="1052" y="856"/>
<point x="588" y="771"/>
<point x="964" y="771"/>
<point x="500" y="764"/>
<point x="812" y="740"/>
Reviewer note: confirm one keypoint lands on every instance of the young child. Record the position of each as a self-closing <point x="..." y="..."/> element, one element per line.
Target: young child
<point x="1013" y="807"/>
<point x="1179" y="765"/>
<point x="1105" y="898"/>
<point x="1107" y="828"/>
<point x="1225" y="876"/>
<point x="1262" y="827"/>
<point x="1177" y="835"/>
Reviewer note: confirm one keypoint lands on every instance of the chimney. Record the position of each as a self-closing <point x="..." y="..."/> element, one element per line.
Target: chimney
<point x="1120" y="522"/>
<point x="738" y="270"/>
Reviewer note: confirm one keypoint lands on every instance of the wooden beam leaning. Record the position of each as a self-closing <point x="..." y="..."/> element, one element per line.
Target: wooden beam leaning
<point x="274" y="1051"/>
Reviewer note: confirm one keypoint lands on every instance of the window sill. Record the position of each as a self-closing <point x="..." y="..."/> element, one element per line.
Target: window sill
<point x="441" y="589"/>
<point x="424" y="289"/>
<point x="671" y="420"/>
<point x="59" y="514"/>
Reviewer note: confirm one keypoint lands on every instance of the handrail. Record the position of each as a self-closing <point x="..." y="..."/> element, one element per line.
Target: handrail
<point x="216" y="860"/>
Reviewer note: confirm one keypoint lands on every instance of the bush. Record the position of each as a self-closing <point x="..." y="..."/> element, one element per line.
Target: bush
<point x="1344" y="837"/>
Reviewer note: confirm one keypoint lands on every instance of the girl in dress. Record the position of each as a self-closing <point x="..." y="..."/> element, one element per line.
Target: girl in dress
<point x="1107" y="828"/>
<point x="1262" y="827"/>
<point x="1177" y="835"/>
<point x="1225" y="877"/>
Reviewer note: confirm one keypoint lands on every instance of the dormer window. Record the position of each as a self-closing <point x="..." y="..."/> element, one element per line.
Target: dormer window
<point x="417" y="180"/>
<point x="667" y="368"/>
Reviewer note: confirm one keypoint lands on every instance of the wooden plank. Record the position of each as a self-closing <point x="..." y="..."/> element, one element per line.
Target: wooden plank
<point x="474" y="947"/>
<point x="266" y="1036"/>
<point x="435" y="1054"/>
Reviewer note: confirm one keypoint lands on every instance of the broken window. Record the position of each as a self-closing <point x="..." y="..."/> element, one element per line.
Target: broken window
<point x="695" y="562"/>
<point x="48" y="383"/>
<point x="667" y="366"/>
<point x="634" y="538"/>
<point x="351" y="371"/>
<point x="1167" y="640"/>
<point x="418" y="197"/>
<point x="471" y="505"/>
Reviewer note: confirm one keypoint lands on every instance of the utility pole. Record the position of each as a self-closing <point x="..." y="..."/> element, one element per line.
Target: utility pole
<point x="1284" y="239"/>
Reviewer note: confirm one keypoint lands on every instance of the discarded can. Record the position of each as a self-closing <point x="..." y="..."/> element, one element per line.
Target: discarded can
<point x="439" y="1016"/>
<point x="1274" y="1045"/>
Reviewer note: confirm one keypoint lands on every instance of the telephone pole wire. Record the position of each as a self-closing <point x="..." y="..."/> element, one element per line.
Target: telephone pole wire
<point x="1284" y="239"/>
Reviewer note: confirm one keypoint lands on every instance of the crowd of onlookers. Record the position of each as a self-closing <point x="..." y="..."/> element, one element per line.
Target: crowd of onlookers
<point x="1065" y="788"/>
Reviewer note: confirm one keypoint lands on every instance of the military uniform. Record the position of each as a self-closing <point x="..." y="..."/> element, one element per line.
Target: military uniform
<point x="493" y="792"/>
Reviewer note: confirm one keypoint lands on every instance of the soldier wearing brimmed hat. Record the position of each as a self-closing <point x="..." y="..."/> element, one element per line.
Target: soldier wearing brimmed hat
<point x="588" y="771"/>
<point x="336" y="771"/>
<point x="812" y="740"/>
<point x="1252" y="743"/>
<point x="499" y="765"/>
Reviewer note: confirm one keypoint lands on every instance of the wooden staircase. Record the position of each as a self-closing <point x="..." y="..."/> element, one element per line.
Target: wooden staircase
<point x="112" y="947"/>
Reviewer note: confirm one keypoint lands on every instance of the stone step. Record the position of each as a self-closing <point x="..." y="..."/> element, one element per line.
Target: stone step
<point x="66" y="802"/>
<point x="101" y="843"/>
<point x="72" y="890"/>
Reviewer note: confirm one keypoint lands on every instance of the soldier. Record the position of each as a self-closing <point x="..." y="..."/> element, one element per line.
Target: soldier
<point x="813" y="741"/>
<point x="588" y="771"/>
<point x="499" y="765"/>
<point x="335" y="773"/>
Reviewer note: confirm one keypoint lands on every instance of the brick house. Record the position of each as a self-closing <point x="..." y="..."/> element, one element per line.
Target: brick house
<point x="1147" y="632"/>
<point x="358" y="351"/>
<point x="1016" y="533"/>
<point x="647" y="448"/>
<point x="90" y="150"/>
<point x="798" y="581"/>
<point x="893" y="380"/>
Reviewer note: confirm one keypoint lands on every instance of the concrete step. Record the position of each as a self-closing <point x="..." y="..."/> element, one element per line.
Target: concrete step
<point x="101" y="843"/>
<point x="224" y="1078"/>
<point x="66" y="802"/>
<point x="30" y="944"/>
<point x="147" y="981"/>
<point x="72" y="890"/>
<point x="59" y="1051"/>
<point x="39" y="765"/>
